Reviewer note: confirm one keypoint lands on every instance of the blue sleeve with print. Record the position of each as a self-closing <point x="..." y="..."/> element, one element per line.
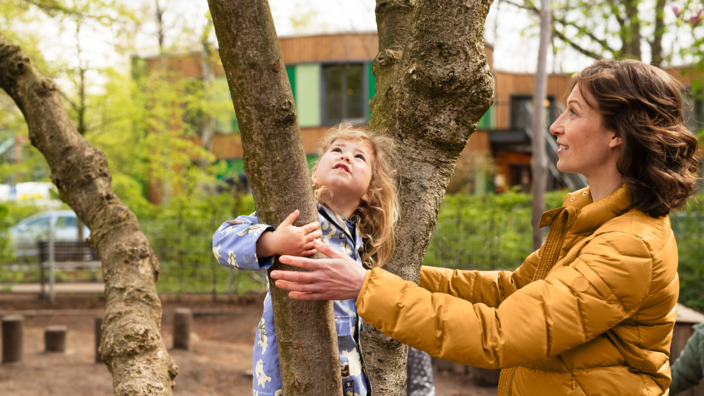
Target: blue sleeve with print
<point x="235" y="243"/>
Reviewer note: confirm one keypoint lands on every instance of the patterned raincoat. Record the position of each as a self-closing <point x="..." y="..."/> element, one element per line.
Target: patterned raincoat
<point x="234" y="245"/>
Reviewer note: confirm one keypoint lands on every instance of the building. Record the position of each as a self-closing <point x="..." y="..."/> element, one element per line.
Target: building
<point x="331" y="80"/>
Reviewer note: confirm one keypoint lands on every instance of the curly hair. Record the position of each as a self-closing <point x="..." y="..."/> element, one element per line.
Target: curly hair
<point x="643" y="105"/>
<point x="378" y="216"/>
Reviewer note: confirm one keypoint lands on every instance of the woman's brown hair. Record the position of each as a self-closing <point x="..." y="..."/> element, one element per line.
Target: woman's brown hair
<point x="643" y="105"/>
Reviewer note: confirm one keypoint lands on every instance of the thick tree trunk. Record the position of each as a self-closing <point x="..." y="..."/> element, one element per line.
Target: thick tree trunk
<point x="433" y="86"/>
<point x="276" y="169"/>
<point x="131" y="344"/>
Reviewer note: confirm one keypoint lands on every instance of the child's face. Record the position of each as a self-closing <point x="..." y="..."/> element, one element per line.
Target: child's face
<point x="345" y="169"/>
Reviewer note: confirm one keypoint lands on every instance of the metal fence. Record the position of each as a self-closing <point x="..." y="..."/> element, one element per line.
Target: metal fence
<point x="471" y="233"/>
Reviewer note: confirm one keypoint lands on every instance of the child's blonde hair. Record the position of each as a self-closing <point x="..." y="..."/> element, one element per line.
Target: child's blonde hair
<point x="377" y="217"/>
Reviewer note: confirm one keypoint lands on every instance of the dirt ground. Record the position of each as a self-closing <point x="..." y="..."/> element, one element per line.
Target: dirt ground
<point x="218" y="362"/>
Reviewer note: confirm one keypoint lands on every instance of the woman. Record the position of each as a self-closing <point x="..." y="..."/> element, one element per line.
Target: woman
<point x="592" y="311"/>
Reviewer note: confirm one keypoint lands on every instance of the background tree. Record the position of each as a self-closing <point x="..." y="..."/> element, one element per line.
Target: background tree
<point x="433" y="85"/>
<point x="612" y="29"/>
<point x="539" y="159"/>
<point x="131" y="344"/>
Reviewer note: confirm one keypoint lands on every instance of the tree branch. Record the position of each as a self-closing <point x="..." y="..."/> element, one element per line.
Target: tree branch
<point x="557" y="19"/>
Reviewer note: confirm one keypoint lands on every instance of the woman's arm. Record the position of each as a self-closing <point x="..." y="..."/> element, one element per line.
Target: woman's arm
<point x="487" y="287"/>
<point x="542" y="319"/>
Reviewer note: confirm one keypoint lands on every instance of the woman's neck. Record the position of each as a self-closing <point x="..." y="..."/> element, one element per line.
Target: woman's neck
<point x="604" y="185"/>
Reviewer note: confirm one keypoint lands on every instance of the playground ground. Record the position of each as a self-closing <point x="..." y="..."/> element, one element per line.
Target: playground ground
<point x="218" y="362"/>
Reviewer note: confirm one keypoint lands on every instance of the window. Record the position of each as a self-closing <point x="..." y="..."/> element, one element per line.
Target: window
<point x="343" y="93"/>
<point x="521" y="108"/>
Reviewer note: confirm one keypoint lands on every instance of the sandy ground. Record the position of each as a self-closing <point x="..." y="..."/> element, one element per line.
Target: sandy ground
<point x="218" y="362"/>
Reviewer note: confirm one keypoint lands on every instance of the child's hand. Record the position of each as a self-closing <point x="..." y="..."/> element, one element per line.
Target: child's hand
<point x="289" y="239"/>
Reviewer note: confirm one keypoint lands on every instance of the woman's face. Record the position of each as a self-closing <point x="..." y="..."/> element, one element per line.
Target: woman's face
<point x="585" y="146"/>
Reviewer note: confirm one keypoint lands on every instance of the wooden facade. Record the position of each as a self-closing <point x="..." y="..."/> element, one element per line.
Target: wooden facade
<point x="497" y="135"/>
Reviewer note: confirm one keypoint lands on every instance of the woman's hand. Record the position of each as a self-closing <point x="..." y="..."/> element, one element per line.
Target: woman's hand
<point x="289" y="239"/>
<point x="335" y="278"/>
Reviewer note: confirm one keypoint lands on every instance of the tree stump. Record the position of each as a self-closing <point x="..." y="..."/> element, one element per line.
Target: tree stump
<point x="12" y="338"/>
<point x="55" y="339"/>
<point x="182" y="328"/>
<point x="98" y="334"/>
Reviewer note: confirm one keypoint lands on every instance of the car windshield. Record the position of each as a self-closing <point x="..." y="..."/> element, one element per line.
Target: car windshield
<point x="65" y="222"/>
<point x="42" y="221"/>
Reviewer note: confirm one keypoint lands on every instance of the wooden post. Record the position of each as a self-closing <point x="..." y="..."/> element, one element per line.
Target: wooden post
<point x="182" y="328"/>
<point x="55" y="339"/>
<point x="98" y="335"/>
<point x="12" y="338"/>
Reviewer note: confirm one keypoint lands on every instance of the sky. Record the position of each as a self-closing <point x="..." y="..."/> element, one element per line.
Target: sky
<point x="512" y="32"/>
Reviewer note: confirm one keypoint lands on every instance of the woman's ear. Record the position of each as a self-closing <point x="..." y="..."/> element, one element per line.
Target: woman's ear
<point x="616" y="141"/>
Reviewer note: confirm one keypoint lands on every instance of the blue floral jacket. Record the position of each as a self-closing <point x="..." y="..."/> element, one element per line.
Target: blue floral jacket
<point x="234" y="245"/>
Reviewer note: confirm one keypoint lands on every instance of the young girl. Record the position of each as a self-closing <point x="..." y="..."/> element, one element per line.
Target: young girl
<point x="357" y="206"/>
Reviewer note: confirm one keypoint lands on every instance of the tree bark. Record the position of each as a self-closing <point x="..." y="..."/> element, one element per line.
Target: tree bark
<point x="539" y="160"/>
<point x="433" y="86"/>
<point x="131" y="343"/>
<point x="276" y="169"/>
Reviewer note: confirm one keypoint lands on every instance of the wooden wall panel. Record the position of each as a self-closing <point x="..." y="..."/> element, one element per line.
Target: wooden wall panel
<point x="508" y="84"/>
<point x="329" y="48"/>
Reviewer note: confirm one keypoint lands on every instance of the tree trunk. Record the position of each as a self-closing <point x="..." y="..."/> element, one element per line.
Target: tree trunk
<point x="131" y="343"/>
<point x="276" y="169"/>
<point x="656" y="50"/>
<point x="433" y="86"/>
<point x="631" y="35"/>
<point x="539" y="160"/>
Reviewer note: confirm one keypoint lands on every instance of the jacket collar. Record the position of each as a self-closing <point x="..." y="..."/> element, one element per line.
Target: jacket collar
<point x="347" y="226"/>
<point x="591" y="215"/>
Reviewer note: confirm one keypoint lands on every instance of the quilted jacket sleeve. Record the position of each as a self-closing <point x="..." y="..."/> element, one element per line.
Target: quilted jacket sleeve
<point x="487" y="287"/>
<point x="687" y="370"/>
<point x="540" y="320"/>
<point x="235" y="243"/>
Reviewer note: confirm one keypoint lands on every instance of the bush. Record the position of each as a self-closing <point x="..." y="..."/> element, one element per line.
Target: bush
<point x="181" y="234"/>
<point x="688" y="227"/>
<point x="486" y="232"/>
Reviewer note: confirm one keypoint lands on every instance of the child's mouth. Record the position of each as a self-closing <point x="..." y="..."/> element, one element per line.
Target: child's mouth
<point x="342" y="167"/>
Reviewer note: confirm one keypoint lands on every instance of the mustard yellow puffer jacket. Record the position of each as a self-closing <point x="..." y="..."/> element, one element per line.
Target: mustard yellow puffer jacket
<point x="600" y="323"/>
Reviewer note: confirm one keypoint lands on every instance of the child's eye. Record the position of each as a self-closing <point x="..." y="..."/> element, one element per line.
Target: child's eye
<point x="336" y="150"/>
<point x="362" y="157"/>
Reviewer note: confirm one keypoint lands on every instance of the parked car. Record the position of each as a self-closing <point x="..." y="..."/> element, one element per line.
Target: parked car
<point x="27" y="233"/>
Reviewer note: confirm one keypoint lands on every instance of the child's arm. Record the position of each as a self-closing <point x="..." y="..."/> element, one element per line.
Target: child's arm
<point x="289" y="239"/>
<point x="236" y="243"/>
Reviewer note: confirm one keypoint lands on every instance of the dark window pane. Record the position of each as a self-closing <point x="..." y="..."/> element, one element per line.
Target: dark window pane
<point x="354" y="92"/>
<point x="521" y="109"/>
<point x="333" y="93"/>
